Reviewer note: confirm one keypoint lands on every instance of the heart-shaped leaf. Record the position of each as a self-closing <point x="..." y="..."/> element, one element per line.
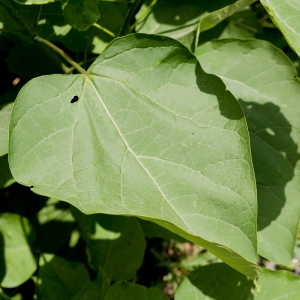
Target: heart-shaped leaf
<point x="146" y="132"/>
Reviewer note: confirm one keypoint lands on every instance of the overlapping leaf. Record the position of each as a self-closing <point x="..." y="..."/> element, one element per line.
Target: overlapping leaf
<point x="217" y="281"/>
<point x="146" y="133"/>
<point x="286" y="14"/>
<point x="116" y="244"/>
<point x="180" y="19"/>
<point x="265" y="82"/>
<point x="59" y="278"/>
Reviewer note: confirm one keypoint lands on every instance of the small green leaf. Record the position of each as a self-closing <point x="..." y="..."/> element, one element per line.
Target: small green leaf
<point x="128" y="291"/>
<point x="264" y="80"/>
<point x="60" y="279"/>
<point x="285" y="15"/>
<point x="17" y="263"/>
<point x="80" y="14"/>
<point x="4" y="124"/>
<point x="96" y="289"/>
<point x="117" y="245"/>
<point x="146" y="134"/>
<point x="95" y="39"/>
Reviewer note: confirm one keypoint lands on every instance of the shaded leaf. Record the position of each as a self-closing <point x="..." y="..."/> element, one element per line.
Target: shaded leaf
<point x="4" y="124"/>
<point x="219" y="282"/>
<point x="52" y="24"/>
<point x="80" y="14"/>
<point x="96" y="289"/>
<point x="154" y="230"/>
<point x="264" y="81"/>
<point x="285" y="15"/>
<point x="150" y="135"/>
<point x="128" y="291"/>
<point x="6" y="178"/>
<point x="180" y="19"/>
<point x="55" y="224"/>
<point x="215" y="281"/>
<point x="59" y="278"/>
<point x="29" y="61"/>
<point x="17" y="262"/>
<point x="117" y="245"/>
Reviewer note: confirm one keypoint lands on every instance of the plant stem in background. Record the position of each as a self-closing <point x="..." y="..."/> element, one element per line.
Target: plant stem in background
<point x="63" y="54"/>
<point x="125" y="28"/>
<point x="105" y="30"/>
<point x="38" y="16"/>
<point x="146" y="11"/>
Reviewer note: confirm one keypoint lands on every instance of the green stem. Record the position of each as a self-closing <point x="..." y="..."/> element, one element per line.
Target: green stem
<point x="64" y="55"/>
<point x="125" y="28"/>
<point x="105" y="30"/>
<point x="71" y="69"/>
<point x="146" y="11"/>
<point x="38" y="16"/>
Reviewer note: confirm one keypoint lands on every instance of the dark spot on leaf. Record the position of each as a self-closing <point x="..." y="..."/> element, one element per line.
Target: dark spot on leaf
<point x="31" y="187"/>
<point x="75" y="99"/>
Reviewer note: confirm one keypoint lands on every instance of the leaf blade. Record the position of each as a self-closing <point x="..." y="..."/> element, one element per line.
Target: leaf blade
<point x="170" y="178"/>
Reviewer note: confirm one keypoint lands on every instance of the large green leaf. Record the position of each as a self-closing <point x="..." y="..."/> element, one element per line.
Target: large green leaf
<point x="80" y="14"/>
<point x="17" y="262"/>
<point x="117" y="245"/>
<point x="4" y="123"/>
<point x="217" y="281"/>
<point x="145" y="133"/>
<point x="264" y="81"/>
<point x="180" y="19"/>
<point x="128" y="291"/>
<point x="59" y="278"/>
<point x="285" y="15"/>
